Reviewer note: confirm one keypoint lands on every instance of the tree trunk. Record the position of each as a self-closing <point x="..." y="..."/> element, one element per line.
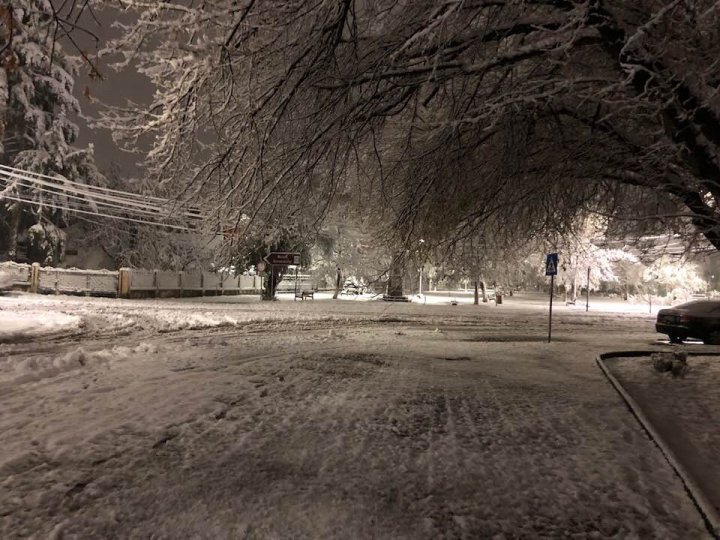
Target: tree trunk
<point x="483" y="288"/>
<point x="477" y="296"/>
<point x="395" y="277"/>
<point x="573" y="298"/>
<point x="271" y="283"/>
<point x="13" y="227"/>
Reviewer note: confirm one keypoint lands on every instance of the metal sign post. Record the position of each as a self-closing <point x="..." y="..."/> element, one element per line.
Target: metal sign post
<point x="551" y="267"/>
<point x="552" y="289"/>
<point x="587" y="303"/>
<point x="296" y="278"/>
<point x="280" y="258"/>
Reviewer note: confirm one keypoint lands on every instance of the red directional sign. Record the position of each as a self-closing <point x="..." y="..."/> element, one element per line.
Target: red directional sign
<point x="283" y="258"/>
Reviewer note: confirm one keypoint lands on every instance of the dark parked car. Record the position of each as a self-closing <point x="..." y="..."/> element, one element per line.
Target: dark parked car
<point x="698" y="319"/>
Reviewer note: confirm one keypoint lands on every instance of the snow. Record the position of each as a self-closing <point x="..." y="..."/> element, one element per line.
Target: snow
<point x="33" y="315"/>
<point x="23" y="325"/>
<point x="687" y="405"/>
<point x="229" y="417"/>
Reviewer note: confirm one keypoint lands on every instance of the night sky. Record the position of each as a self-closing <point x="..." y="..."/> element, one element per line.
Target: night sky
<point x="115" y="88"/>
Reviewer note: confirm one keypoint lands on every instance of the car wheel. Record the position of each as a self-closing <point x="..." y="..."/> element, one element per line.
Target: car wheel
<point x="674" y="338"/>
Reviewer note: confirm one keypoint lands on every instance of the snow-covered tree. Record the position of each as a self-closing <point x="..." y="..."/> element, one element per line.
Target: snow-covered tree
<point x="36" y="127"/>
<point x="349" y="243"/>
<point x="582" y="259"/>
<point x="677" y="279"/>
<point x="249" y="246"/>
<point x="455" y="113"/>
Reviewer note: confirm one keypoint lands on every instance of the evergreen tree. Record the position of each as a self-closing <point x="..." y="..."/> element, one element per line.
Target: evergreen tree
<point x="36" y="127"/>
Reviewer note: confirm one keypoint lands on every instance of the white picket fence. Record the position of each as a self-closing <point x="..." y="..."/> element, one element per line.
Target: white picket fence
<point x="199" y="282"/>
<point x="127" y="282"/>
<point x="289" y="282"/>
<point x="73" y="281"/>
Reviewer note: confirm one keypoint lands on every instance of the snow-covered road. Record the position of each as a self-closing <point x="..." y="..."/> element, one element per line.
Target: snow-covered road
<point x="171" y="419"/>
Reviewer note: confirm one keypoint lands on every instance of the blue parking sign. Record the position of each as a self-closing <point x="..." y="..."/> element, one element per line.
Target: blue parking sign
<point x="551" y="264"/>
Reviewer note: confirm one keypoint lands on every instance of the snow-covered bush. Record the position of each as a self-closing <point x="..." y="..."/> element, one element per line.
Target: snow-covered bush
<point x="46" y="244"/>
<point x="671" y="362"/>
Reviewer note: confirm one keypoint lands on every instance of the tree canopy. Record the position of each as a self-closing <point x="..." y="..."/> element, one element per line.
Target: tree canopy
<point x="456" y="116"/>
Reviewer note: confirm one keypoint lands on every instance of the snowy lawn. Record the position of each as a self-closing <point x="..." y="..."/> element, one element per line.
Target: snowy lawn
<point x="684" y="410"/>
<point x="326" y="419"/>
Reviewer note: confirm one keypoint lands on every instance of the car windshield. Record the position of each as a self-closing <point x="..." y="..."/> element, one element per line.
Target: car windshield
<point x="700" y="306"/>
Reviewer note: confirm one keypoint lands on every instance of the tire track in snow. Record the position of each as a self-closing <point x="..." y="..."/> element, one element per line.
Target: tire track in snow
<point x="289" y="478"/>
<point x="130" y="390"/>
<point x="142" y="392"/>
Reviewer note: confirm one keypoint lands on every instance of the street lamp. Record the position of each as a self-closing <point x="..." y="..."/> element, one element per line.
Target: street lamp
<point x="420" y="271"/>
<point x="653" y="277"/>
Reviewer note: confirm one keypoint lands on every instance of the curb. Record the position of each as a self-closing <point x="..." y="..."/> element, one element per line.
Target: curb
<point x="707" y="511"/>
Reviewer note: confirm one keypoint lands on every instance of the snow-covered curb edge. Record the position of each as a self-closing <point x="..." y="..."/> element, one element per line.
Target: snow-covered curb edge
<point x="706" y="509"/>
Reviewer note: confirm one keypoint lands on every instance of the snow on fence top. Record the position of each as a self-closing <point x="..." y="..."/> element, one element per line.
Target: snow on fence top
<point x="126" y="281"/>
<point x="18" y="274"/>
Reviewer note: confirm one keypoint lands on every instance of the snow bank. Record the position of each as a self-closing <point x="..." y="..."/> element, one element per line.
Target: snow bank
<point x="169" y="321"/>
<point x="26" y="316"/>
<point x="22" y="325"/>
<point x="35" y="368"/>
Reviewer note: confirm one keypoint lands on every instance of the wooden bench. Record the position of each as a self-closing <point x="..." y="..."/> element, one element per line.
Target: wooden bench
<point x="303" y="294"/>
<point x="388" y="298"/>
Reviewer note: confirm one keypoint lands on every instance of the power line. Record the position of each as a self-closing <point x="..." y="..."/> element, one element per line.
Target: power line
<point x="81" y="198"/>
<point x="82" y="201"/>
<point x="99" y="214"/>
<point x="79" y="184"/>
<point x="87" y="189"/>
<point x="126" y="201"/>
